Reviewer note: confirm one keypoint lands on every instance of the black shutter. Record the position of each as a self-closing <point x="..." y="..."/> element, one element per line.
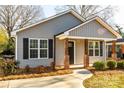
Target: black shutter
<point x="101" y="48"/>
<point x="50" y="48"/>
<point x="25" y="48"/>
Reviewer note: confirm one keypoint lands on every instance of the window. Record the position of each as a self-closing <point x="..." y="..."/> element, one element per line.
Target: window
<point x="109" y="50"/>
<point x="43" y="48"/>
<point x="95" y="48"/>
<point x="38" y="48"/>
<point x="33" y="48"/>
<point x="90" y="48"/>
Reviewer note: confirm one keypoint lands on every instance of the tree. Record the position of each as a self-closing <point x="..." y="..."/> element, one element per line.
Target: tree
<point x="120" y="30"/>
<point x="15" y="17"/>
<point x="89" y="11"/>
<point x="3" y="40"/>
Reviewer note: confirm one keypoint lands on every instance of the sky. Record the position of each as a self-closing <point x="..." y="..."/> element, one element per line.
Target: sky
<point x="118" y="17"/>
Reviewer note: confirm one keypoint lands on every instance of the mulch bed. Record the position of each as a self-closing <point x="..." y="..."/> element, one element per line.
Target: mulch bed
<point x="25" y="76"/>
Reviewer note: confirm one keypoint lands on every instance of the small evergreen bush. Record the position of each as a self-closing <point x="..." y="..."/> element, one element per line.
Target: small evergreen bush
<point x="111" y="64"/>
<point x="120" y="65"/>
<point x="99" y="65"/>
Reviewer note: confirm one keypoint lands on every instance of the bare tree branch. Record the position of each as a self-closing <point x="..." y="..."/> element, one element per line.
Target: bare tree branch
<point x="89" y="11"/>
<point x="14" y="17"/>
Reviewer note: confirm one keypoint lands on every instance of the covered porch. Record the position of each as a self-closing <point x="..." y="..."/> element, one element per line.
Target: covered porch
<point x="82" y="52"/>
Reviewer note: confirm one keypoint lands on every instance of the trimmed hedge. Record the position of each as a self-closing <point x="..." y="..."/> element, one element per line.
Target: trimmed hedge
<point x="120" y="65"/>
<point x="99" y="65"/>
<point x="111" y="64"/>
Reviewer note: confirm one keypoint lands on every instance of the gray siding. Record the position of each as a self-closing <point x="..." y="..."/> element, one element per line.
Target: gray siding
<point x="45" y="30"/>
<point x="92" y="29"/>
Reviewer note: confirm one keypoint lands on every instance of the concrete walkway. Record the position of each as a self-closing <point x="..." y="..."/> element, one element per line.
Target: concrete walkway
<point x="74" y="80"/>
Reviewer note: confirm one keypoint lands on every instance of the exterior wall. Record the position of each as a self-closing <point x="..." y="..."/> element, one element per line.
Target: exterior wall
<point x="45" y="30"/>
<point x="59" y="52"/>
<point x="30" y="62"/>
<point x="79" y="51"/>
<point x="92" y="29"/>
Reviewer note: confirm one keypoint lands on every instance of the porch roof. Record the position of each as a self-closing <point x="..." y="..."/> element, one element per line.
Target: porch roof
<point x="66" y="34"/>
<point x="118" y="42"/>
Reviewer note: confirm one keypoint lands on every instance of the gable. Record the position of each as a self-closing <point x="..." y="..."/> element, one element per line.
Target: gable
<point x="92" y="29"/>
<point x="53" y="26"/>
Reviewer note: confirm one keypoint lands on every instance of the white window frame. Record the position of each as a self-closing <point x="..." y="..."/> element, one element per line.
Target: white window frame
<point x="39" y="47"/>
<point x="94" y="42"/>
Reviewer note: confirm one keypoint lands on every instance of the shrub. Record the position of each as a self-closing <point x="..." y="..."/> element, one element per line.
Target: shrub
<point x="8" y="67"/>
<point x="120" y="65"/>
<point x="27" y="68"/>
<point x="52" y="65"/>
<point x="99" y="65"/>
<point x="9" y="48"/>
<point x="111" y="64"/>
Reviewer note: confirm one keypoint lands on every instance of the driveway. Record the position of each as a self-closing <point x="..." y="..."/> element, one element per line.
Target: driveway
<point x="74" y="80"/>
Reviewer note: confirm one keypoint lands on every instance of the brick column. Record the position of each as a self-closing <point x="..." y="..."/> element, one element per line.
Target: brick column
<point x="122" y="50"/>
<point x="86" y="56"/>
<point x="66" y="55"/>
<point x="113" y="50"/>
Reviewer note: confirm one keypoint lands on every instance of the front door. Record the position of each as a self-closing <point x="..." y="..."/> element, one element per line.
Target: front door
<point x="71" y="51"/>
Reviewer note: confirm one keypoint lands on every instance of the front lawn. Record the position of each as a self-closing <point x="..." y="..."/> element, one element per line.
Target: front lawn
<point x="105" y="79"/>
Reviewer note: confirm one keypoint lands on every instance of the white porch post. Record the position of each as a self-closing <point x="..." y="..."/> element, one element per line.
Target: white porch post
<point x="105" y="51"/>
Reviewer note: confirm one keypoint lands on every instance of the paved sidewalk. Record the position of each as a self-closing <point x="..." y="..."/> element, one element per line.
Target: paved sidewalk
<point x="74" y="80"/>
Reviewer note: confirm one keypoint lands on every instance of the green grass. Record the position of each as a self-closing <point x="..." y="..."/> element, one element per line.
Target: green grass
<point x="106" y="79"/>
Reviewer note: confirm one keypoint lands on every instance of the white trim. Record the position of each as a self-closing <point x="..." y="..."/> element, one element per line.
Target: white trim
<point x="39" y="48"/>
<point x="74" y="50"/>
<point x="117" y="43"/>
<point x="105" y="52"/>
<point x="92" y="38"/>
<point x="16" y="48"/>
<point x="49" y="18"/>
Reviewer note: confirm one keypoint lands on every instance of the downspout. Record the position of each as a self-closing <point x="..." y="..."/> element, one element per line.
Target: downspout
<point x="105" y="50"/>
<point x="54" y="51"/>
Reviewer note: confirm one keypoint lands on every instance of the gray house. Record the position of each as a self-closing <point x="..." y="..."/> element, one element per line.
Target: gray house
<point x="65" y="39"/>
